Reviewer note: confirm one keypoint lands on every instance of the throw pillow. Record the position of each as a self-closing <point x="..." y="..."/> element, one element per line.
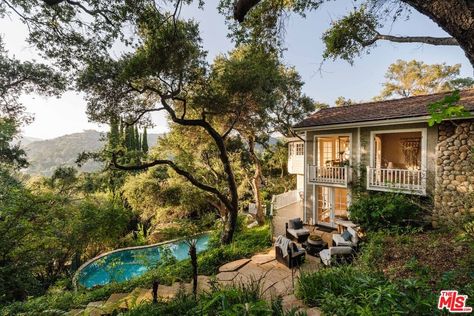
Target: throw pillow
<point x="346" y="236"/>
<point x="298" y="224"/>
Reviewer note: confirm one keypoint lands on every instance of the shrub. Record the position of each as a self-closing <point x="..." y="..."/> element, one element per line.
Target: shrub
<point x="236" y="300"/>
<point x="246" y="242"/>
<point x="384" y="210"/>
<point x="346" y="290"/>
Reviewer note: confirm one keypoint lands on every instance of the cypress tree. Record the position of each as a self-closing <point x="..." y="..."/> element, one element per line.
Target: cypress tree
<point x="129" y="138"/>
<point x="136" y="142"/>
<point x="122" y="133"/>
<point x="113" y="137"/>
<point x="145" y="141"/>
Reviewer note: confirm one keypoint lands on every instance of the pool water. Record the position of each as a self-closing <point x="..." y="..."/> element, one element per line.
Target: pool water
<point x="124" y="265"/>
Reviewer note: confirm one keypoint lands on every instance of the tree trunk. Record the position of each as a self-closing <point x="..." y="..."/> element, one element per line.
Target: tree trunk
<point x="257" y="182"/>
<point x="193" y="255"/>
<point x="231" y="204"/>
<point x="456" y="17"/>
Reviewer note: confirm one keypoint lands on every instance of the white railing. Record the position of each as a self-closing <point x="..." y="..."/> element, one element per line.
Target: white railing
<point x="285" y="199"/>
<point x="403" y="180"/>
<point x="328" y="175"/>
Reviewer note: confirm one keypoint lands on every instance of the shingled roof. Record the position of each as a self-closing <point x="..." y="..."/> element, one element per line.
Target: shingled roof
<point x="381" y="110"/>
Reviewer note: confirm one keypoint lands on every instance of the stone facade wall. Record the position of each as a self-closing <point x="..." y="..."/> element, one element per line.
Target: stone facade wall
<point x="454" y="182"/>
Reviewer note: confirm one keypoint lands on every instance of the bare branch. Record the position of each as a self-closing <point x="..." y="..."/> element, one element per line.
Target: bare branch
<point x="140" y="115"/>
<point x="438" y="41"/>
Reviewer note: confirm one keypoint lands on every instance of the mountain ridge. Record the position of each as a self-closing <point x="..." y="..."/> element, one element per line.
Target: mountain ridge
<point x="46" y="155"/>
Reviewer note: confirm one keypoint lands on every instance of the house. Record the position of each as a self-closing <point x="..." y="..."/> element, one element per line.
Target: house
<point x="383" y="146"/>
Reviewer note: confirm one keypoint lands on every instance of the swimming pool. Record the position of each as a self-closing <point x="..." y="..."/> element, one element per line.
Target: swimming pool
<point x="124" y="264"/>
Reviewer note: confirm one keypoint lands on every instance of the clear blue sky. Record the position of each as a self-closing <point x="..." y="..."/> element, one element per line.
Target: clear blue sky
<point x="362" y="81"/>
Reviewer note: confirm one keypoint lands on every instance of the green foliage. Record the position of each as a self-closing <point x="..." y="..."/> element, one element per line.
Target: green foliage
<point x="347" y="290"/>
<point x="10" y="155"/>
<point x="236" y="300"/>
<point x="384" y="210"/>
<point x="411" y="78"/>
<point x="246" y="243"/>
<point x="71" y="231"/>
<point x="350" y="35"/>
<point x="446" y="108"/>
<point x="145" y="141"/>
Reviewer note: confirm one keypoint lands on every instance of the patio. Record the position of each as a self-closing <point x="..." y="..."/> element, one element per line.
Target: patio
<point x="275" y="278"/>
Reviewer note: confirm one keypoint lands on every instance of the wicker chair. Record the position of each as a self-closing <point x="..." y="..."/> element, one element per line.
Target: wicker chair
<point x="294" y="258"/>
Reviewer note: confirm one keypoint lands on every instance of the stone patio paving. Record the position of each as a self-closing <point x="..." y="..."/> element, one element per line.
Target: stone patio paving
<point x="275" y="278"/>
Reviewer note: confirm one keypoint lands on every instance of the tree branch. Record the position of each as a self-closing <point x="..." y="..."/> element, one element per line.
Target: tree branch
<point x="179" y="171"/>
<point x="143" y="112"/>
<point x="438" y="41"/>
<point x="242" y="7"/>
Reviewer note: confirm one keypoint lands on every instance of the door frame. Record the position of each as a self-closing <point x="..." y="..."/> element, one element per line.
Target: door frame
<point x="315" y="187"/>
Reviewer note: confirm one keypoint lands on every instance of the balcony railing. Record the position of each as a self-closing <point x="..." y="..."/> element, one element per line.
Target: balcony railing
<point x="335" y="176"/>
<point x="401" y="180"/>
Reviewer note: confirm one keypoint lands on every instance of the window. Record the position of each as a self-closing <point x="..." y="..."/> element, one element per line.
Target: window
<point x="291" y="149"/>
<point x="299" y="149"/>
<point x="327" y="152"/>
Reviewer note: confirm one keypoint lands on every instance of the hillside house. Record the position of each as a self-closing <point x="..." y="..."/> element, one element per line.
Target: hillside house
<point x="383" y="146"/>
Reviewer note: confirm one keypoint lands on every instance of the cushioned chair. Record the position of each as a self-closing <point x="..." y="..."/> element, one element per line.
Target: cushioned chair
<point x="336" y="254"/>
<point x="295" y="230"/>
<point x="294" y="258"/>
<point x="348" y="238"/>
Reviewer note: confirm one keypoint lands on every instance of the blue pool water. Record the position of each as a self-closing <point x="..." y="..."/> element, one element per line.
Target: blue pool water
<point x="127" y="264"/>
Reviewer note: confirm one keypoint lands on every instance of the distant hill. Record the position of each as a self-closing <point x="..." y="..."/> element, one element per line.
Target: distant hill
<point x="45" y="156"/>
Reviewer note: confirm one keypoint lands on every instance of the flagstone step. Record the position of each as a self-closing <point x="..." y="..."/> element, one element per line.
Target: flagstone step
<point x="115" y="302"/>
<point x="75" y="312"/>
<point x="95" y="309"/>
<point x="234" y="265"/>
<point x="262" y="259"/>
<point x="290" y="301"/>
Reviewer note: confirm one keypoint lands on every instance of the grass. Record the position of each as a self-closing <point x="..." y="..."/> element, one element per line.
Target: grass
<point x="246" y="243"/>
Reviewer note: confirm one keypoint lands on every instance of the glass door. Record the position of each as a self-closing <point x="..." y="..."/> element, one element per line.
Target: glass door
<point x="325" y="206"/>
<point x="332" y="204"/>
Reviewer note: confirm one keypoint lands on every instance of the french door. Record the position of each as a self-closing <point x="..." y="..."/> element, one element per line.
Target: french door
<point x="332" y="204"/>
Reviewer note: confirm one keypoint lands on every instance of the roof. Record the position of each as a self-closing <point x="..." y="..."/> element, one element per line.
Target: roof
<point x="381" y="110"/>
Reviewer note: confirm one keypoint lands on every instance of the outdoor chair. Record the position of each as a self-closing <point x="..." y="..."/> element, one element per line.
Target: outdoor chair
<point x="336" y="254"/>
<point x="294" y="258"/>
<point x="295" y="230"/>
<point x="348" y="238"/>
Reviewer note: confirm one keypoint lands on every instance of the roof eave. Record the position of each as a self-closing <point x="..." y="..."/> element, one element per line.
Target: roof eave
<point x="405" y="120"/>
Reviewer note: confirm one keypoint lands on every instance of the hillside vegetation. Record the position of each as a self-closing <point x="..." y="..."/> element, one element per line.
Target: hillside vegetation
<point x="46" y="155"/>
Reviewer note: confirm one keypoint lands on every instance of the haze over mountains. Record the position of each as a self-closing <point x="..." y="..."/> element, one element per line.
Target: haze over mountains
<point x="45" y="156"/>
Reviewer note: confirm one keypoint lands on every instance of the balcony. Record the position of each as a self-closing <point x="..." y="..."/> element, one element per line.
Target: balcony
<point x="396" y="180"/>
<point x="329" y="176"/>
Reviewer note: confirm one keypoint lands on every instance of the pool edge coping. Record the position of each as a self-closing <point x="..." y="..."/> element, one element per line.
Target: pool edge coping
<point x="88" y="262"/>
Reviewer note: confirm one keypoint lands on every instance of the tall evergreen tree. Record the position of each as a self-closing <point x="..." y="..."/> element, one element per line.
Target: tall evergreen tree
<point x="145" y="141"/>
<point x="129" y="138"/>
<point x="136" y="141"/>
<point x="114" y="134"/>
<point x="122" y="133"/>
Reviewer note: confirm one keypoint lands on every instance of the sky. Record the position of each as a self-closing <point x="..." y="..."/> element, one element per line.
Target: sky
<point x="360" y="82"/>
